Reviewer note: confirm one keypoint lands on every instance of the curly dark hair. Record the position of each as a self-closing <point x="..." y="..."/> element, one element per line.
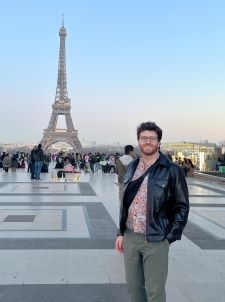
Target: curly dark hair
<point x="150" y="126"/>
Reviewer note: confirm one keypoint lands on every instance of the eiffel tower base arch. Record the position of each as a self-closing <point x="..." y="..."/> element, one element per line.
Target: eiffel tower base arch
<point x="69" y="137"/>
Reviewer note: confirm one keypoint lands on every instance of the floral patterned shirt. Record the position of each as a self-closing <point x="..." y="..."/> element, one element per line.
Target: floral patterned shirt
<point x="136" y="219"/>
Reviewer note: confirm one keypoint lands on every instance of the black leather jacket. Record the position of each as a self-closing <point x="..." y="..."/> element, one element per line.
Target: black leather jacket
<point x="167" y="200"/>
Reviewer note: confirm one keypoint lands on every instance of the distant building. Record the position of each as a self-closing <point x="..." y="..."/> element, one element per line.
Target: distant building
<point x="204" y="155"/>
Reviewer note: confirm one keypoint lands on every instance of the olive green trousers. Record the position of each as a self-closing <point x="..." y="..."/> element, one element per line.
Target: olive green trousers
<point x="146" y="268"/>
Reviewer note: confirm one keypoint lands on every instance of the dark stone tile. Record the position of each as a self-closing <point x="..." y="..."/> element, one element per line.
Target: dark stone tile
<point x="67" y="292"/>
<point x="206" y="196"/>
<point x="86" y="189"/>
<point x="203" y="239"/>
<point x="211" y="244"/>
<point x="55" y="243"/>
<point x="210" y="205"/>
<point x="38" y="188"/>
<point x="100" y="223"/>
<point x="2" y="184"/>
<point x="19" y="218"/>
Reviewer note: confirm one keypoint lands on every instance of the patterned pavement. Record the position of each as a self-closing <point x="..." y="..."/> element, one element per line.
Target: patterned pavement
<point x="57" y="241"/>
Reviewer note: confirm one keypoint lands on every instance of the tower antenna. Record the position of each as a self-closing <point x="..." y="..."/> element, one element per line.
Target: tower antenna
<point x="62" y="20"/>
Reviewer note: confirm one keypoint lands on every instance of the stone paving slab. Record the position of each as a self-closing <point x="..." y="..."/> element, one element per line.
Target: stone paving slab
<point x="66" y="292"/>
<point x="46" y="189"/>
<point x="204" y="190"/>
<point x="64" y="266"/>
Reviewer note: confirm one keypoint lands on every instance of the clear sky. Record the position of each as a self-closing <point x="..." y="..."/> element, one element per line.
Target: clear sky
<point x="127" y="62"/>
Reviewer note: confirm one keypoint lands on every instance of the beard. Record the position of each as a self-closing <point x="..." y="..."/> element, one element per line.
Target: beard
<point x="149" y="150"/>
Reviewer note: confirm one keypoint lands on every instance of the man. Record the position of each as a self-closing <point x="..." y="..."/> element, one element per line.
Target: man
<point x="38" y="156"/>
<point x="32" y="163"/>
<point x="154" y="213"/>
<point x="121" y="167"/>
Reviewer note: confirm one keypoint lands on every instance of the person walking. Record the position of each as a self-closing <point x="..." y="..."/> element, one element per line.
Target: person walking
<point x="121" y="167"/>
<point x="186" y="166"/>
<point x="154" y="212"/>
<point x="31" y="167"/>
<point x="14" y="163"/>
<point x="191" y="167"/>
<point x="6" y="162"/>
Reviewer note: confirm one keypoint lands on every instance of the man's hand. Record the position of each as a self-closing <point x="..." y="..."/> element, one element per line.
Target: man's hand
<point x="119" y="244"/>
<point x="167" y="241"/>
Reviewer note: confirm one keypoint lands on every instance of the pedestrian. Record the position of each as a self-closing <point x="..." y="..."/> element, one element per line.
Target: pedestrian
<point x="6" y="162"/>
<point x="153" y="215"/>
<point x="192" y="168"/>
<point x="185" y="166"/>
<point x="121" y="167"/>
<point x="38" y="156"/>
<point x="14" y="163"/>
<point x="32" y="163"/>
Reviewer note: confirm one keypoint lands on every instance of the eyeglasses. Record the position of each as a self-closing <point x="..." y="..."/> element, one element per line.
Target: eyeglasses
<point x="144" y="139"/>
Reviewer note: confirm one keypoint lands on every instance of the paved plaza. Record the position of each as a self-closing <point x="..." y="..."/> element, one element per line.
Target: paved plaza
<point x="57" y="241"/>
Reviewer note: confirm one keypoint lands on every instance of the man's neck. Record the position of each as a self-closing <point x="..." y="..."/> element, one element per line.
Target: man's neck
<point x="150" y="159"/>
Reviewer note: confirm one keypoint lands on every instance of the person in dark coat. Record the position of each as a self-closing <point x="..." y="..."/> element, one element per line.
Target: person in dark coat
<point x="38" y="156"/>
<point x="14" y="163"/>
<point x="32" y="163"/>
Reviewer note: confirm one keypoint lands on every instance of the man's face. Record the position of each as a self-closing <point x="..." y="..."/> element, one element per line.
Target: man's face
<point x="148" y="142"/>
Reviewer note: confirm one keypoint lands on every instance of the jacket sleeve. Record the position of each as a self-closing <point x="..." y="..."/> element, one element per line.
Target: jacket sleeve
<point x="180" y="210"/>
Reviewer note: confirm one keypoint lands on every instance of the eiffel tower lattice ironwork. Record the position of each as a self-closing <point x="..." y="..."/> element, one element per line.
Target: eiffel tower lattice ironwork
<point x="61" y="106"/>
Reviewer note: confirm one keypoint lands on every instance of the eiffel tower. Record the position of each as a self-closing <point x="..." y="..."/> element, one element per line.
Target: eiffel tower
<point x="61" y="106"/>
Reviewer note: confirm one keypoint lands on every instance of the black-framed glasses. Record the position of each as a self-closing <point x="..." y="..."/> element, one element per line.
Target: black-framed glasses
<point x="144" y="139"/>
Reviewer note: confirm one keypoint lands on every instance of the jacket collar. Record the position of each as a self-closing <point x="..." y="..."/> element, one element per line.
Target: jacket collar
<point x="162" y="160"/>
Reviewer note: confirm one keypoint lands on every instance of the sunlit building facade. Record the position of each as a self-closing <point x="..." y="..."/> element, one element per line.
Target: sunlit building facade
<point x="203" y="155"/>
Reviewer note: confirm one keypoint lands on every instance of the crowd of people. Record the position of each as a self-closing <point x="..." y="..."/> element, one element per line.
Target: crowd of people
<point x="87" y="162"/>
<point x="70" y="162"/>
<point x="13" y="162"/>
<point x="38" y="162"/>
<point x="186" y="164"/>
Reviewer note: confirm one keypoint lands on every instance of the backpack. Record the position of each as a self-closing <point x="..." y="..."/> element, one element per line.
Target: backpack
<point x="35" y="155"/>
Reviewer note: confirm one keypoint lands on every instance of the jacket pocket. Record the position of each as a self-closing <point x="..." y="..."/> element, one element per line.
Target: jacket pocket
<point x="162" y="225"/>
<point x="160" y="193"/>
